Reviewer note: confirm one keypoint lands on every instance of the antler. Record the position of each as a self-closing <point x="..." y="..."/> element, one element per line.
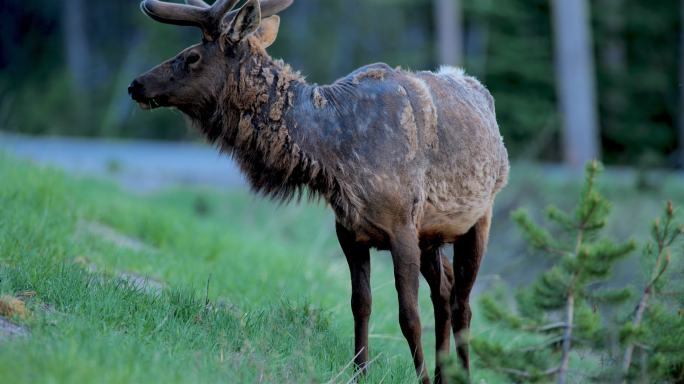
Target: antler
<point x="197" y="3"/>
<point x="268" y="7"/>
<point x="199" y="14"/>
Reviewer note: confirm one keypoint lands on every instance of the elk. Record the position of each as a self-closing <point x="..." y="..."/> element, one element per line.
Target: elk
<point x="408" y="161"/>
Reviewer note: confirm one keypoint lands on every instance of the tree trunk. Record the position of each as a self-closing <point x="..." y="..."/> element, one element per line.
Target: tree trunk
<point x="567" y="339"/>
<point x="576" y="84"/>
<point x="681" y="88"/>
<point x="448" y="23"/>
<point x="629" y="350"/>
<point x="613" y="64"/>
<point x="76" y="42"/>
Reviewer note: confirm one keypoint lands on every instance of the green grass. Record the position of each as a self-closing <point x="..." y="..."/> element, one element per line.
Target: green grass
<point x="278" y="286"/>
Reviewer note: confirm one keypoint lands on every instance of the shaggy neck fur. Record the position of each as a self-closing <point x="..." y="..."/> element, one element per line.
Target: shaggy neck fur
<point x="250" y="122"/>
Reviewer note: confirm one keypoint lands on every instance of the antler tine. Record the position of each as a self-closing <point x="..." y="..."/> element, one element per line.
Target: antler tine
<point x="194" y="13"/>
<point x="221" y="7"/>
<point x="178" y="14"/>
<point x="197" y="3"/>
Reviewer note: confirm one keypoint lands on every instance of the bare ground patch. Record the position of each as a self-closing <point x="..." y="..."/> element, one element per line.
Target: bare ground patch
<point x="11" y="307"/>
<point x="9" y="330"/>
<point x="135" y="280"/>
<point x="111" y="235"/>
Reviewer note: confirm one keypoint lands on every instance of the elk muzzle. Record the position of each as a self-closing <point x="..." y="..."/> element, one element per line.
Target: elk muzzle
<point x="141" y="91"/>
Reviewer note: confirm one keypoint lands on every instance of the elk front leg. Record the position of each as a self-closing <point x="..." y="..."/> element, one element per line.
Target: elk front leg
<point x="358" y="258"/>
<point x="436" y="269"/>
<point x="406" y="260"/>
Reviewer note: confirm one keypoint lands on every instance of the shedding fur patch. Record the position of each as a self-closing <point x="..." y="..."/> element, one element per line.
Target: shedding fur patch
<point x="408" y="124"/>
<point x="375" y="74"/>
<point x="255" y="45"/>
<point x="277" y="110"/>
<point x="245" y="129"/>
<point x="318" y="98"/>
<point x="428" y="110"/>
<point x="268" y="76"/>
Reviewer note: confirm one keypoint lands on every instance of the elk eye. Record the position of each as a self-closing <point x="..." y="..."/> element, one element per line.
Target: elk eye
<point x="192" y="58"/>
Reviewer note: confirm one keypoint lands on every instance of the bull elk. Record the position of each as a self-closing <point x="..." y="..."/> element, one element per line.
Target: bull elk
<point x="407" y="161"/>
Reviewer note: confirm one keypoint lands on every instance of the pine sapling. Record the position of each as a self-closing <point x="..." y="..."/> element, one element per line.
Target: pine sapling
<point x="556" y="307"/>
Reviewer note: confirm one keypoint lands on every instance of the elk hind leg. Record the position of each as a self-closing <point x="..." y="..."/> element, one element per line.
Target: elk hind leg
<point x="468" y="252"/>
<point x="436" y="269"/>
<point x="406" y="260"/>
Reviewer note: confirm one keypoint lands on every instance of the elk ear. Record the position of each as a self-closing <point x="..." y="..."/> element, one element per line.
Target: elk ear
<point x="244" y="23"/>
<point x="268" y="30"/>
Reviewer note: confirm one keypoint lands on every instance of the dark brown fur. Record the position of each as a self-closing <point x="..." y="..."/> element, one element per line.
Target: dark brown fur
<point x="408" y="161"/>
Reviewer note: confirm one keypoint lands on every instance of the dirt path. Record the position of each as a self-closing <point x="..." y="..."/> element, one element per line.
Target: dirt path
<point x="140" y="165"/>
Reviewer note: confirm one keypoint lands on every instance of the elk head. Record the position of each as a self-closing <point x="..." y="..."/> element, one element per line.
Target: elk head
<point x="193" y="79"/>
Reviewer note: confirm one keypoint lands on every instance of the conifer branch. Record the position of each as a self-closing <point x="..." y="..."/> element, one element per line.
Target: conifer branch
<point x="663" y="239"/>
<point x="526" y="375"/>
<point x="547" y="327"/>
<point x="546" y="343"/>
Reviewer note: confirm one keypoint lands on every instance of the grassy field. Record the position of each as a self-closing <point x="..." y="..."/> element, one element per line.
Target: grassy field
<point x="239" y="289"/>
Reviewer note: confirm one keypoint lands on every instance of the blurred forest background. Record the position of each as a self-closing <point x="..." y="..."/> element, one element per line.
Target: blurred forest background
<point x="572" y="79"/>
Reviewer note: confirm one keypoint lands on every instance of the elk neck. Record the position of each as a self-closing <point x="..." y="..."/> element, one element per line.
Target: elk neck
<point x="255" y="123"/>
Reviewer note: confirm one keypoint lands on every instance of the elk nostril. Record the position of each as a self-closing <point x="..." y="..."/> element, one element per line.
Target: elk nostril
<point x="135" y="88"/>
